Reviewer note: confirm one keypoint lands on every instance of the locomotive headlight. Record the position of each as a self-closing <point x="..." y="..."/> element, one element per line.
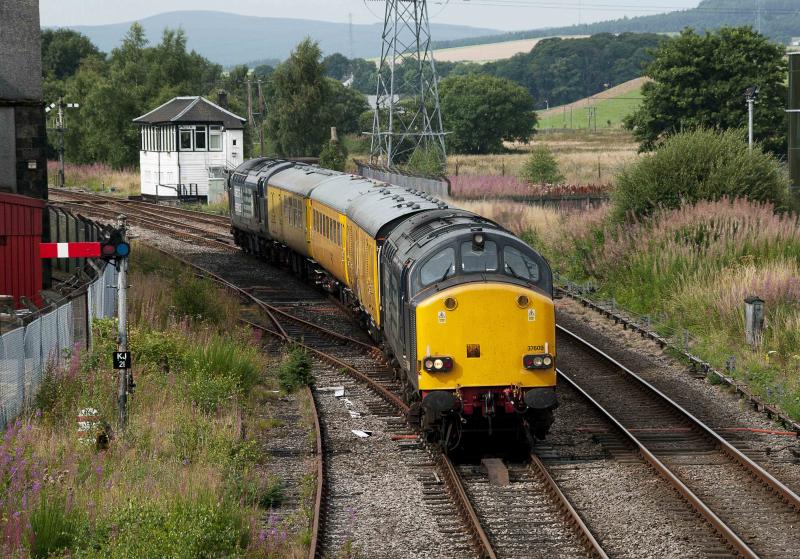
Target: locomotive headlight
<point x="450" y="303"/>
<point x="438" y="364"/>
<point x="543" y="361"/>
<point x="523" y="301"/>
<point x="477" y="242"/>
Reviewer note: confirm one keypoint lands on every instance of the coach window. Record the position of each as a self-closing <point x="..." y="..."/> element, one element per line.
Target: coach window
<point x="519" y="265"/>
<point x="200" y="138"/>
<point x="439" y="267"/>
<point x="186" y="139"/>
<point x="479" y="259"/>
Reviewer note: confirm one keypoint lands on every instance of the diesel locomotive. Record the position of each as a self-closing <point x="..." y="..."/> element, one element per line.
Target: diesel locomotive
<point x="462" y="308"/>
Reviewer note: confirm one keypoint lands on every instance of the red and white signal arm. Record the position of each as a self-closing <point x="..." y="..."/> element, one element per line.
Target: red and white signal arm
<point x="69" y="250"/>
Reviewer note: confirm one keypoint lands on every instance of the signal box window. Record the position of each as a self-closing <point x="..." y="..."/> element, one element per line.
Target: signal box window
<point x="479" y="259"/>
<point x="519" y="265"/>
<point x="439" y="267"/>
<point x="200" y="138"/>
<point x="215" y="138"/>
<point x="186" y="140"/>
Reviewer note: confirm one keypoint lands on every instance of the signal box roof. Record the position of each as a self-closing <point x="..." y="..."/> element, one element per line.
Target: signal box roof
<point x="191" y="110"/>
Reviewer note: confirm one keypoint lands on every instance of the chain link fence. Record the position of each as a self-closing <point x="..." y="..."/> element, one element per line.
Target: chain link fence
<point x="439" y="187"/>
<point x="47" y="339"/>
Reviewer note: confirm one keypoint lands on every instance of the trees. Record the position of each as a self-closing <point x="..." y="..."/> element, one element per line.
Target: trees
<point x="482" y="111"/>
<point x="564" y="70"/>
<point x="296" y="114"/>
<point x="363" y="72"/>
<point x="343" y="107"/>
<point x="698" y="165"/>
<point x="63" y="50"/>
<point x="541" y="167"/>
<point x="700" y="82"/>
<point x="304" y="104"/>
<point x="133" y="80"/>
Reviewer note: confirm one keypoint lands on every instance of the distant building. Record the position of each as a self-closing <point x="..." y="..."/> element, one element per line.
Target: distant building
<point x="794" y="42"/>
<point x="184" y="142"/>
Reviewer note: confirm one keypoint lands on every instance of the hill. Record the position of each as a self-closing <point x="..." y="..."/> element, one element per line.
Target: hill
<point x="610" y="107"/>
<point x="780" y="20"/>
<point x="231" y="39"/>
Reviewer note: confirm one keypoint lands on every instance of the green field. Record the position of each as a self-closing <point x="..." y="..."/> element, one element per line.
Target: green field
<point x="609" y="112"/>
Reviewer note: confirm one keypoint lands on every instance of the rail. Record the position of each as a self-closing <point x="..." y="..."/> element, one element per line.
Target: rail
<point x="752" y="468"/>
<point x="455" y="487"/>
<point x="643" y="325"/>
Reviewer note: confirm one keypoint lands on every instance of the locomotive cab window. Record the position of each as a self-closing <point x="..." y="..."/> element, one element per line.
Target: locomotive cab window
<point x="519" y="265"/>
<point x="482" y="258"/>
<point x="439" y="267"/>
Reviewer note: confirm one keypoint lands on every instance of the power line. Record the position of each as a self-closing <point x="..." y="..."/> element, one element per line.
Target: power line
<point x="580" y="5"/>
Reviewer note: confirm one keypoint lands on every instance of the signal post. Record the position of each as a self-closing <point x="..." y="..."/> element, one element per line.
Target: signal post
<point x="115" y="250"/>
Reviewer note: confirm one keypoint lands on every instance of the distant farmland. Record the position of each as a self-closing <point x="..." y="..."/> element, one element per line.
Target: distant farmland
<point x="610" y="107"/>
<point x="491" y="51"/>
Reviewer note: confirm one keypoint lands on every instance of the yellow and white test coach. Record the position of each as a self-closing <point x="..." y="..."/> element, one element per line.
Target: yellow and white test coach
<point x="463" y="308"/>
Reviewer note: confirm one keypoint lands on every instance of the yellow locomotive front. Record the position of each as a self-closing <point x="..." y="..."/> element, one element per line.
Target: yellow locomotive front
<point x="480" y="320"/>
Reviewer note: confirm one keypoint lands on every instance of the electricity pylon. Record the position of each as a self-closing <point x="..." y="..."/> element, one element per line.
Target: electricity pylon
<point x="407" y="114"/>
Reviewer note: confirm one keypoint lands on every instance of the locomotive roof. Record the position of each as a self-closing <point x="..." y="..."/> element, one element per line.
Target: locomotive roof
<point x="264" y="169"/>
<point x="340" y="192"/>
<point x="419" y="230"/>
<point x="382" y="205"/>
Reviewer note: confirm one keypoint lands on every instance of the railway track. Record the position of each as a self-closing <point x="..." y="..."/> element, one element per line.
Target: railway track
<point x="161" y="210"/>
<point x="446" y="484"/>
<point x="753" y="512"/>
<point x="178" y="229"/>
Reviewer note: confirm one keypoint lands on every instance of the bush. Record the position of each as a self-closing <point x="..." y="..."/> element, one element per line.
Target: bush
<point x="426" y="161"/>
<point x="699" y="165"/>
<point x="198" y="299"/>
<point x="541" y="167"/>
<point x="333" y="156"/>
<point x="220" y="369"/>
<point x="202" y="528"/>
<point x="294" y="370"/>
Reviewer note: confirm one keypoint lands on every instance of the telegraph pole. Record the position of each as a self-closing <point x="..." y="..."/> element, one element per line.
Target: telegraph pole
<point x="261" y="112"/>
<point x="750" y="96"/>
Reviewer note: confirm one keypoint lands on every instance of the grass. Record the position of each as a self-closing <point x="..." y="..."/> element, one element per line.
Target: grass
<point x="691" y="268"/>
<point x="97" y="177"/>
<point x="608" y="112"/>
<point x="583" y="158"/>
<point x="189" y="477"/>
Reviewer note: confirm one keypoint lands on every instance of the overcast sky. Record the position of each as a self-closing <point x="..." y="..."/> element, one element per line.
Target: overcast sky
<point x="498" y="14"/>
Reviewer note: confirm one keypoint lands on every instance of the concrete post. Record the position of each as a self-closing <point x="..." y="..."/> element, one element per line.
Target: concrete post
<point x="753" y="320"/>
